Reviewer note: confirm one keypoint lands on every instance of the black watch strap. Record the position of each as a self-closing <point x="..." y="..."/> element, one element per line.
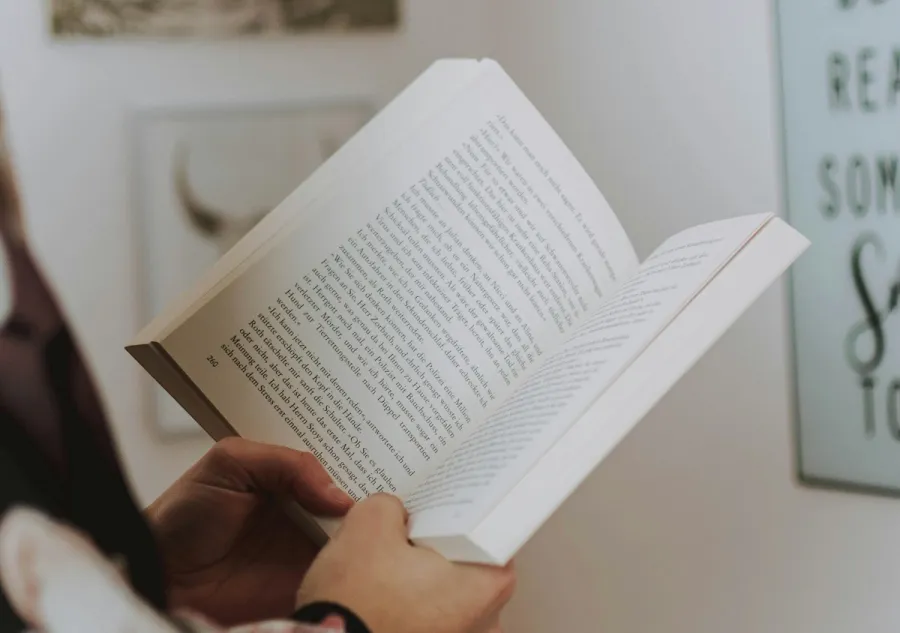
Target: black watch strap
<point x="316" y="612"/>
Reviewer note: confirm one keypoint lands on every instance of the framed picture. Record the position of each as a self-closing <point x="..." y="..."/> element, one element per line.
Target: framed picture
<point x="205" y="178"/>
<point x="840" y="90"/>
<point x="218" y="18"/>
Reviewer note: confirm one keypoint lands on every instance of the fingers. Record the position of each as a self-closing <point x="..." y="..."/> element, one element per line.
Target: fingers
<point x="494" y="626"/>
<point x="284" y="471"/>
<point x="497" y="583"/>
<point x="380" y="514"/>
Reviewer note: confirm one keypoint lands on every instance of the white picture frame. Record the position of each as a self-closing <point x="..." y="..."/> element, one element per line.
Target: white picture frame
<point x="839" y="96"/>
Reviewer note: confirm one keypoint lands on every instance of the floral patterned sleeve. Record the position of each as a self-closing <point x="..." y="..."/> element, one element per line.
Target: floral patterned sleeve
<point x="195" y="624"/>
<point x="60" y="583"/>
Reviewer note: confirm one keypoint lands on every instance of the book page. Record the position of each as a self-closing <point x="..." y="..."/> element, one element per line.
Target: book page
<point x="499" y="453"/>
<point x="636" y="391"/>
<point x="388" y="326"/>
<point x="424" y="96"/>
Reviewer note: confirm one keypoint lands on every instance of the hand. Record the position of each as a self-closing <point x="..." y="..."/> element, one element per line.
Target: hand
<point x="371" y="568"/>
<point x="230" y="550"/>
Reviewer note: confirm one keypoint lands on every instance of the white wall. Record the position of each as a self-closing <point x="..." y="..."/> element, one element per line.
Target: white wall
<point x="66" y="106"/>
<point x="695" y="524"/>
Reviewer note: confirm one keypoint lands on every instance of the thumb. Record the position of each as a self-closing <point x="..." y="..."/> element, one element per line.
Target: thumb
<point x="380" y="514"/>
<point x="284" y="472"/>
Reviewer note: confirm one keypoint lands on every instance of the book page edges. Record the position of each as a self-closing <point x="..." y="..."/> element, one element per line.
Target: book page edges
<point x="164" y="370"/>
<point x="434" y="86"/>
<point x="640" y="387"/>
<point x="459" y="548"/>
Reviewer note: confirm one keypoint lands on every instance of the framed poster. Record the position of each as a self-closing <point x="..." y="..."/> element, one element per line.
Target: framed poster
<point x="202" y="179"/>
<point x="218" y="18"/>
<point x="840" y="91"/>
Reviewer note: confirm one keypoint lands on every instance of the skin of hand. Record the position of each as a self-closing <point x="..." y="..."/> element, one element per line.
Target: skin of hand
<point x="229" y="549"/>
<point x="371" y="568"/>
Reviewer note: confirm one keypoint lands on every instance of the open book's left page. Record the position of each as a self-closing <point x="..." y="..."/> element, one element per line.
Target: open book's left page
<point x="391" y="323"/>
<point x="426" y="95"/>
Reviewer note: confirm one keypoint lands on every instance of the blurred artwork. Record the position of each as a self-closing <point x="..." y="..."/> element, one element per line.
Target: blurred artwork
<point x="218" y="18"/>
<point x="204" y="179"/>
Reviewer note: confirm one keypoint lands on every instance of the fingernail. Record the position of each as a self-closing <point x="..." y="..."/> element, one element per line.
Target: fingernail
<point x="338" y="495"/>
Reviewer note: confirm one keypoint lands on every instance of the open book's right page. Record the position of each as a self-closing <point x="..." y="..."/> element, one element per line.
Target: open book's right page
<point x="496" y="456"/>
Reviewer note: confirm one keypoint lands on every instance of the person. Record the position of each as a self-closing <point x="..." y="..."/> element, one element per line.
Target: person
<point x="216" y="549"/>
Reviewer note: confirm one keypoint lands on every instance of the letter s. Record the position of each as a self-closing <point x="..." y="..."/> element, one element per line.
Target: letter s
<point x="872" y="320"/>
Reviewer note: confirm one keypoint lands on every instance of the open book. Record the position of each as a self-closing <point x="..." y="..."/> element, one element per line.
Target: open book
<point x="449" y="311"/>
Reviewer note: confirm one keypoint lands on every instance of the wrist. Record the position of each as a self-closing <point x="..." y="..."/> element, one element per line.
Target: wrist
<point x="316" y="612"/>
